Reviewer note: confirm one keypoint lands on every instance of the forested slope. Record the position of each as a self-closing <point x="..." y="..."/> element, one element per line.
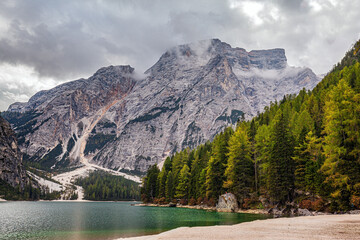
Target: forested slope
<point x="102" y="186"/>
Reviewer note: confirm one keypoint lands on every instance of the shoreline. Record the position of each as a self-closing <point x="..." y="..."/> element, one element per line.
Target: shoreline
<point x="207" y="208"/>
<point x="344" y="226"/>
<point x="300" y="212"/>
<point x="84" y="200"/>
<point x="61" y="200"/>
<point x="199" y="207"/>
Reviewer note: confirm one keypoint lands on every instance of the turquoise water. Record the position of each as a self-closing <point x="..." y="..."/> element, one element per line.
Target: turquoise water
<point x="101" y="220"/>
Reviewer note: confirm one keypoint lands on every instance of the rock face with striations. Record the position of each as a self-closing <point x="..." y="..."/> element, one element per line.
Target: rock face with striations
<point x="117" y="120"/>
<point x="11" y="170"/>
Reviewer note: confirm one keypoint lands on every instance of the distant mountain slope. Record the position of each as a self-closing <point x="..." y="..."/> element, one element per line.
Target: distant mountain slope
<point x="119" y="121"/>
<point x="11" y="169"/>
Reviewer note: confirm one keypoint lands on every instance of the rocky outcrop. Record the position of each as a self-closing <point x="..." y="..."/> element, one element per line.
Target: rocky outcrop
<point x="227" y="203"/>
<point x="304" y="212"/>
<point x="54" y="126"/>
<point x="11" y="169"/>
<point x="290" y="210"/>
<point x="122" y="120"/>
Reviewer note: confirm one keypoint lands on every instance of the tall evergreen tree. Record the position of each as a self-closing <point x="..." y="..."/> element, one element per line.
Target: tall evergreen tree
<point x="167" y="164"/>
<point x="150" y="182"/>
<point x="201" y="158"/>
<point x="169" y="186"/>
<point x="314" y="108"/>
<point x="240" y="168"/>
<point x="161" y="182"/>
<point x="262" y="152"/>
<point x="303" y="124"/>
<point x="178" y="162"/>
<point x="202" y="184"/>
<point x="281" y="164"/>
<point x="182" y="189"/>
<point x="215" y="176"/>
<point x="252" y="135"/>
<point x="308" y="161"/>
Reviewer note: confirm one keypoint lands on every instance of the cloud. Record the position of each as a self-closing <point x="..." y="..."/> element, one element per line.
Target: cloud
<point x="18" y="83"/>
<point x="65" y="40"/>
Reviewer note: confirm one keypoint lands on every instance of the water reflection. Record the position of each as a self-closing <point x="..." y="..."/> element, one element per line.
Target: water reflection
<point x="100" y="220"/>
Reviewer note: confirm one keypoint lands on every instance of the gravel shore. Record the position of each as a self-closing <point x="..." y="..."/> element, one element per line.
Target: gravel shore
<point x="325" y="227"/>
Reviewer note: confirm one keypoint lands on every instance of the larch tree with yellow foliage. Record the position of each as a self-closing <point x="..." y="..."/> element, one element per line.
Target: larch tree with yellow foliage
<point x="342" y="143"/>
<point x="240" y="168"/>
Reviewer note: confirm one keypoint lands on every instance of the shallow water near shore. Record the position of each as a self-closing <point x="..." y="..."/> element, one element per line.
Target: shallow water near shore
<point x="101" y="220"/>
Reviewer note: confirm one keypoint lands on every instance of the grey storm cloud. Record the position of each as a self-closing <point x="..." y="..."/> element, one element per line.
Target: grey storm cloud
<point x="65" y="40"/>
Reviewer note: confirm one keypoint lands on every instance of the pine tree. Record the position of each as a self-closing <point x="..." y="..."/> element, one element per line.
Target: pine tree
<point x="262" y="152"/>
<point x="315" y="112"/>
<point x="308" y="161"/>
<point x="215" y="176"/>
<point x="178" y="162"/>
<point x="252" y="135"/>
<point x="182" y="189"/>
<point x="169" y="186"/>
<point x="281" y="164"/>
<point x="201" y="158"/>
<point x="303" y="124"/>
<point x="201" y="184"/>
<point x="240" y="169"/>
<point x="151" y="182"/>
<point x="167" y="164"/>
<point x="161" y="182"/>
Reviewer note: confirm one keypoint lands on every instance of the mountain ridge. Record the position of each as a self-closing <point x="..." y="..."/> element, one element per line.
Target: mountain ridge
<point x="186" y="98"/>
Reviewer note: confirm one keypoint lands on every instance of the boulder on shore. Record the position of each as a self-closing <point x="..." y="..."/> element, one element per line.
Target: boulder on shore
<point x="227" y="203"/>
<point x="304" y="212"/>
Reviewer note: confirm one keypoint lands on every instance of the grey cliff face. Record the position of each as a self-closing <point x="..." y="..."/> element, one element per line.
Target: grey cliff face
<point x="55" y="123"/>
<point x="187" y="97"/>
<point x="11" y="170"/>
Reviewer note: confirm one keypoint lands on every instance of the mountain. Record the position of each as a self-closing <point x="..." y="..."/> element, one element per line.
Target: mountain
<point x="122" y="120"/>
<point x="11" y="169"/>
<point x="301" y="152"/>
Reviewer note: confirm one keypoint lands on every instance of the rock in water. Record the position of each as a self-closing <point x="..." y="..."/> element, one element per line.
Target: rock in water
<point x="122" y="120"/>
<point x="227" y="203"/>
<point x="11" y="169"/>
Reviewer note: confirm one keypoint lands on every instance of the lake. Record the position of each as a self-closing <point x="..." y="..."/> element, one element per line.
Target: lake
<point x="101" y="220"/>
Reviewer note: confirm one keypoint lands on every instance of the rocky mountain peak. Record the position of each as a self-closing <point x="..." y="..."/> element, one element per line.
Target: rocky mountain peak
<point x="187" y="97"/>
<point x="106" y="77"/>
<point x="115" y="70"/>
<point x="198" y="54"/>
<point x="268" y="59"/>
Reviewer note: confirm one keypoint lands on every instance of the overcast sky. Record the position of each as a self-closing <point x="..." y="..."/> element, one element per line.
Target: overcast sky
<point x="45" y="42"/>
